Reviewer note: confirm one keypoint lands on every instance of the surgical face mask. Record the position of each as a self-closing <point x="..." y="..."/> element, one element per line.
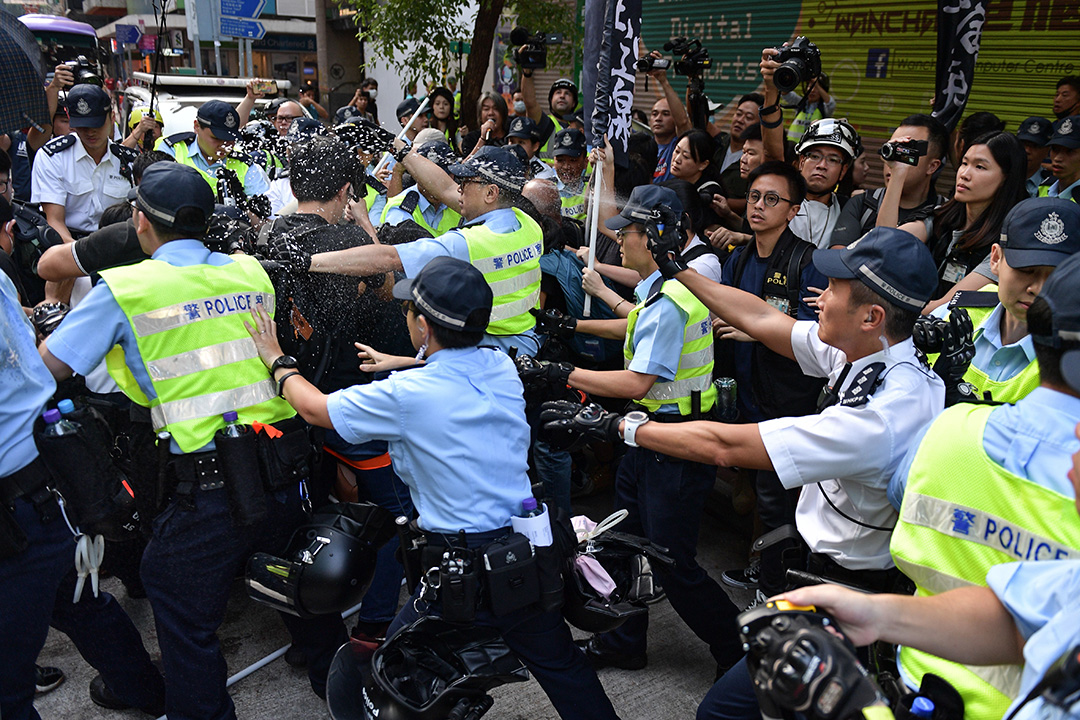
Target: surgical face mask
<point x="373" y="93"/>
<point x="519" y="107"/>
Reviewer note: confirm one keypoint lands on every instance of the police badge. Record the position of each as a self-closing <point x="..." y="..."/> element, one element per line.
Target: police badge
<point x="1052" y="230"/>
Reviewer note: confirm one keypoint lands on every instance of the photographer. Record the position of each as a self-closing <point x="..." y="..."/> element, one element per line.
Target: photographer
<point x="814" y="104"/>
<point x="668" y="120"/>
<point x="921" y="142"/>
<point x="562" y="100"/>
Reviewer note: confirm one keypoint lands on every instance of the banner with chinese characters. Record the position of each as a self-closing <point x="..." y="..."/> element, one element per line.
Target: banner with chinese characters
<point x="612" y="29"/>
<point x="960" y="24"/>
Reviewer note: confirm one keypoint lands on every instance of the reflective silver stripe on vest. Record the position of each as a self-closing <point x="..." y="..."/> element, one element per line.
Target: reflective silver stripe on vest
<point x="1003" y="678"/>
<point x="196" y="408"/>
<point x="191" y="311"/>
<point x="509" y="286"/>
<point x="505" y="261"/>
<point x="931" y="580"/>
<point x="966" y="523"/>
<point x="670" y="391"/>
<point x="513" y="309"/>
<point x="696" y="359"/>
<point x="207" y="358"/>
<point x="697" y="331"/>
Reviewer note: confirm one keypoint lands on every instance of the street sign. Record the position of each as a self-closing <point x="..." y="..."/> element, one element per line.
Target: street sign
<point x="241" y="28"/>
<point x="178" y="39"/>
<point x="243" y="8"/>
<point x="148" y="43"/>
<point x="128" y="34"/>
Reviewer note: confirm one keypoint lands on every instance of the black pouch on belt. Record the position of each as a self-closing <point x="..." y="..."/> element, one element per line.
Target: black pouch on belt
<point x="551" y="559"/>
<point x="239" y="460"/>
<point x="286" y="458"/>
<point x="513" y="580"/>
<point x="96" y="491"/>
<point x="12" y="537"/>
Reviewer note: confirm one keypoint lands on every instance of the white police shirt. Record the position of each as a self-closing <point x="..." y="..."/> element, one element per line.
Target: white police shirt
<point x="815" y="221"/>
<point x="849" y="452"/>
<point x="70" y="178"/>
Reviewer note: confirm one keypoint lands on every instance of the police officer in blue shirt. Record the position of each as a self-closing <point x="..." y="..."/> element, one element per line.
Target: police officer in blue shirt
<point x="458" y="438"/>
<point x="1034" y="133"/>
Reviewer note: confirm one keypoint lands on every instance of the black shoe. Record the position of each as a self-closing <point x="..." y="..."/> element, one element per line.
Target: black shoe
<point x="601" y="657"/>
<point x="102" y="696"/>
<point x="47" y="679"/>
<point x="746" y="578"/>
<point x="295" y="657"/>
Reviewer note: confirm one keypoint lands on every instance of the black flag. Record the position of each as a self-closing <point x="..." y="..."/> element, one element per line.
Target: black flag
<point x="612" y="30"/>
<point x="960" y="25"/>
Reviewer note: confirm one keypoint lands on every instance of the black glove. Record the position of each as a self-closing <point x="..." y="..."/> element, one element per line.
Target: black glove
<point x="953" y="340"/>
<point x="555" y="324"/>
<point x="664" y="238"/>
<point x="47" y="317"/>
<point x="289" y="255"/>
<point x="541" y="375"/>
<point x="260" y="205"/>
<point x="568" y="425"/>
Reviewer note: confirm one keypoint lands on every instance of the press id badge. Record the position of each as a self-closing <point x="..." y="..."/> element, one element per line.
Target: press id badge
<point x="954" y="272"/>
<point x="780" y="303"/>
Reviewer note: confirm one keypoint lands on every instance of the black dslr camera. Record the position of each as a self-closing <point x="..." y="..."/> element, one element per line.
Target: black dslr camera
<point x="906" y="152"/>
<point x="84" y="72"/>
<point x="530" y="50"/>
<point x="695" y="58"/>
<point x="799" y="62"/>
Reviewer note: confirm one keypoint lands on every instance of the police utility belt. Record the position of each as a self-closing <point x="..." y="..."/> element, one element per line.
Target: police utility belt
<point x="260" y="459"/>
<point x="499" y="571"/>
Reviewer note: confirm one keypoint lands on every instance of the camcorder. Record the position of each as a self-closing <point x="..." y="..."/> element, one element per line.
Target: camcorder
<point x="695" y="59"/>
<point x="84" y="72"/>
<point x="799" y="62"/>
<point x="530" y="50"/>
<point x="907" y="152"/>
<point x="651" y="62"/>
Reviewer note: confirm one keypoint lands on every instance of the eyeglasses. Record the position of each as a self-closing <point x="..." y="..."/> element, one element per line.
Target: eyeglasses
<point x="833" y="161"/>
<point x="623" y="233"/>
<point x="470" y="181"/>
<point x="771" y="198"/>
<point x="286" y="118"/>
<point x="407" y="307"/>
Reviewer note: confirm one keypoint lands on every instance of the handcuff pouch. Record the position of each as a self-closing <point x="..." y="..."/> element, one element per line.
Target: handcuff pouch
<point x="513" y="578"/>
<point x="285" y="459"/>
<point x="239" y="460"/>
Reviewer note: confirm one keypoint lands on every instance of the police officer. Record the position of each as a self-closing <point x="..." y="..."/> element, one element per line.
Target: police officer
<point x="217" y="126"/>
<point x="465" y="477"/>
<point x="1036" y="236"/>
<point x="77" y="176"/>
<point x="524" y="133"/>
<point x="1064" y="147"/>
<point x="880" y="395"/>
<point x="419" y="203"/>
<point x="144" y="127"/>
<point x="497" y="238"/>
<point x="571" y="166"/>
<point x="668" y="353"/>
<point x="985" y="485"/>
<point x="178" y="319"/>
<point x="1034" y="133"/>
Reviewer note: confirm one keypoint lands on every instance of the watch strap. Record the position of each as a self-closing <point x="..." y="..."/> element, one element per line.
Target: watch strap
<point x="630" y="426"/>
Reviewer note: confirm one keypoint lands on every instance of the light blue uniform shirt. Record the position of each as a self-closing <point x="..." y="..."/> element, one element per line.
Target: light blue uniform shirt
<point x="256" y="182"/>
<point x="999" y="362"/>
<point x="97" y="324"/>
<point x="1032" y="439"/>
<point x="415" y="255"/>
<point x="25" y="383"/>
<point x="457" y="435"/>
<point x="658" y="336"/>
<point x="432" y="213"/>
<point x="1041" y="597"/>
<point x="1064" y="193"/>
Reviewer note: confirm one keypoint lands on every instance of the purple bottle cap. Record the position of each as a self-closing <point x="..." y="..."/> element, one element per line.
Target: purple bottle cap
<point x="230" y="416"/>
<point x="51" y="416"/>
<point x="528" y="504"/>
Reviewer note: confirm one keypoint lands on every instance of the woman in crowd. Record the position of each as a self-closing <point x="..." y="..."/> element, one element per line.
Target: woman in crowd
<point x="692" y="161"/>
<point x="491" y="112"/>
<point x="442" y="115"/>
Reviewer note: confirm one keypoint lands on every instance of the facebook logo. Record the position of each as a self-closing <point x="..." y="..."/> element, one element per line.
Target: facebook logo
<point x="877" y="62"/>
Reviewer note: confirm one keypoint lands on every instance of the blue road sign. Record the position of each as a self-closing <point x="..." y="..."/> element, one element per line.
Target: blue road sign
<point x="243" y="8"/>
<point x="127" y="34"/>
<point x="242" y="28"/>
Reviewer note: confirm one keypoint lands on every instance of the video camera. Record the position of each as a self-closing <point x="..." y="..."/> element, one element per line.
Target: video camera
<point x="695" y="59"/>
<point x="84" y="72"/>
<point x="906" y="152"/>
<point x="799" y="62"/>
<point x="530" y="50"/>
<point x="651" y="62"/>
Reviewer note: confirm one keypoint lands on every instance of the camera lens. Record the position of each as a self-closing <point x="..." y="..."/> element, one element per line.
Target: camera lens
<point x="888" y="150"/>
<point x="788" y="75"/>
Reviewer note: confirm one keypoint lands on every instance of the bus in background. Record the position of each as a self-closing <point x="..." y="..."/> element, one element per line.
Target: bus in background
<point x="63" y="40"/>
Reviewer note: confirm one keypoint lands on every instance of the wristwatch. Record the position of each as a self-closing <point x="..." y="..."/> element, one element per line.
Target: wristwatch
<point x="283" y="361"/>
<point x="631" y="422"/>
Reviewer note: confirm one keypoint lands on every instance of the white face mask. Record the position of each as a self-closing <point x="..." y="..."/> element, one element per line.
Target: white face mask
<point x="373" y="93"/>
<point x="519" y="107"/>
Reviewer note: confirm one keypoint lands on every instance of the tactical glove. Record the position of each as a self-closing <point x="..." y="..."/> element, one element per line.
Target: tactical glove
<point x="47" y="316"/>
<point x="555" y="324"/>
<point x="567" y="425"/>
<point x="541" y="375"/>
<point x="953" y="340"/>
<point x="664" y="239"/>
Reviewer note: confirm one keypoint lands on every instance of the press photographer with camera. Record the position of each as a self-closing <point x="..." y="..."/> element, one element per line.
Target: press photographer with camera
<point x="530" y="54"/>
<point x="668" y="118"/>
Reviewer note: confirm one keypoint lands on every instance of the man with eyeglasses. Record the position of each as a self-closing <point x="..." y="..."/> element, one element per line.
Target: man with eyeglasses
<point x="287" y="112"/>
<point x="217" y="126"/>
<point x="776" y="267"/>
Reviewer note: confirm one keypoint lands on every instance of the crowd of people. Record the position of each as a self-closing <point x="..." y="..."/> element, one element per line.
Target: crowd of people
<point x="399" y="318"/>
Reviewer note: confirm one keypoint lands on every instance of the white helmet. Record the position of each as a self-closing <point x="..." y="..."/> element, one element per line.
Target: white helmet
<point x="836" y="132"/>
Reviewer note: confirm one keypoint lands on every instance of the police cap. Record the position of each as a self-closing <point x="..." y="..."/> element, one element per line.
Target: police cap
<point x="497" y="165"/>
<point x="1035" y="130"/>
<point x="523" y="127"/>
<point x="892" y="262"/>
<point x="88" y="106"/>
<point x="570" y="141"/>
<point x="1041" y="231"/>
<point x="643" y="200"/>
<point x="167" y="188"/>
<point x="407" y="107"/>
<point x="221" y="118"/>
<point x="1066" y="132"/>
<point x="449" y="292"/>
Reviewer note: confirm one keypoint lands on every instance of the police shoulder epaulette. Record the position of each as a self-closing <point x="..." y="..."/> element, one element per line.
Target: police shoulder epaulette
<point x="123" y="152"/>
<point x="974" y="299"/>
<point x="411" y="202"/>
<point x="59" y="144"/>
<point x="179" y="138"/>
<point x="862" y="386"/>
<point x="538" y="165"/>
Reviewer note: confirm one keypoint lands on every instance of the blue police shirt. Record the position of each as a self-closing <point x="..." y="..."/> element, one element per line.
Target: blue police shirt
<point x="658" y="335"/>
<point x="432" y="213"/>
<point x="98" y="324"/>
<point x="256" y="181"/>
<point x="1066" y="193"/>
<point x="457" y="435"/>
<point x="25" y="383"/>
<point x="999" y="362"/>
<point x="415" y="255"/>
<point x="1041" y="597"/>
<point x="1032" y="439"/>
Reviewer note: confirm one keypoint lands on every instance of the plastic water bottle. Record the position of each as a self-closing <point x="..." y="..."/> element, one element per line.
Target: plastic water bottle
<point x="725" y="399"/>
<point x="529" y="508"/>
<point x="232" y="428"/>
<point x="922" y="707"/>
<point x="66" y="407"/>
<point x="56" y="426"/>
